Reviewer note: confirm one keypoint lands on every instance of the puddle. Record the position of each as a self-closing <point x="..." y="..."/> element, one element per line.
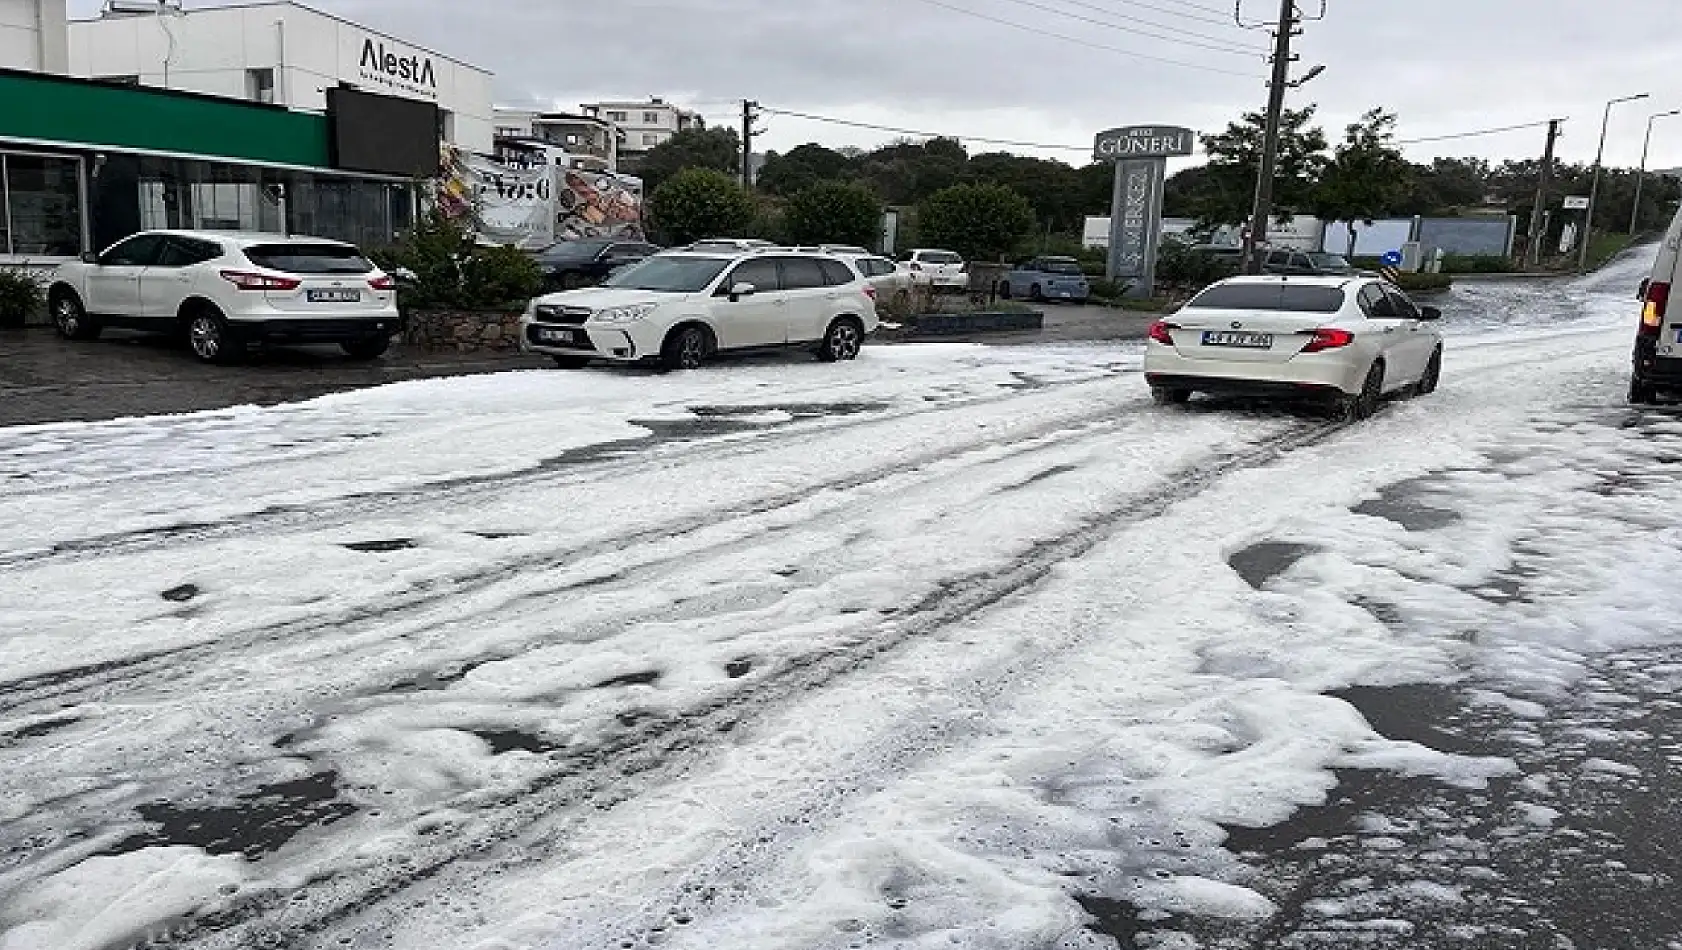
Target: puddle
<point x="707" y="421"/>
<point x="643" y="678"/>
<point x="433" y="680"/>
<point x="1260" y="563"/>
<point x="382" y="547"/>
<point x="261" y="823"/>
<point x="182" y="594"/>
<point x="1408" y="504"/>
<point x="736" y="669"/>
<point x="800" y="410"/>
<point x="503" y="741"/>
<point x="499" y="535"/>
<point x="1046" y="475"/>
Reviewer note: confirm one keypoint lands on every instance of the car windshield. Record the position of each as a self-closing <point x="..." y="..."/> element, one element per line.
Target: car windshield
<point x="673" y="275"/>
<point x="1326" y="261"/>
<point x="940" y="257"/>
<point x="1060" y="267"/>
<point x="310" y="258"/>
<point x="1281" y="296"/>
<point x="574" y="250"/>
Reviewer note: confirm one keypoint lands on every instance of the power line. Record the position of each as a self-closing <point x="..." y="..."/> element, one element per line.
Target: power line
<point x="1218" y="44"/>
<point x="1087" y="43"/>
<point x="1472" y="133"/>
<point x="1208" y="14"/>
<point x="933" y="135"/>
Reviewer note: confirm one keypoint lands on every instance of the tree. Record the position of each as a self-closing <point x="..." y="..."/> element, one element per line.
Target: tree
<point x="801" y="168"/>
<point x="980" y="222"/>
<point x="699" y="203"/>
<point x="906" y="171"/>
<point x="1227" y="194"/>
<point x="1447" y="185"/>
<point x="1367" y="177"/>
<point x="719" y="149"/>
<point x="1052" y="187"/>
<point x="833" y="212"/>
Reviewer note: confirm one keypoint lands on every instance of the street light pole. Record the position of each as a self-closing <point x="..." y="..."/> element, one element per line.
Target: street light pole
<point x="1263" y="207"/>
<point x="1594" y="189"/>
<point x="1641" y="175"/>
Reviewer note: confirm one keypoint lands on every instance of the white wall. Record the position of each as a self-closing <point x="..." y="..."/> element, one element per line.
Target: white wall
<point x="214" y="48"/>
<point x="33" y="36"/>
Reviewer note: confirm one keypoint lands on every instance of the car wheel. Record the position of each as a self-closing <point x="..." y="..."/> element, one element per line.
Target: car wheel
<point x="571" y="362"/>
<point x="209" y="338"/>
<point x="370" y="348"/>
<point x="1433" y="374"/>
<point x="687" y="348"/>
<point x="1035" y="294"/>
<point x="1641" y="392"/>
<point x="1166" y="396"/>
<point x="1362" y="405"/>
<point x="72" y="320"/>
<point x="842" y="342"/>
<point x="1004" y="290"/>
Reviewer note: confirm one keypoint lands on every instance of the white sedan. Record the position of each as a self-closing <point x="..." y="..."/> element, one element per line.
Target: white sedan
<point x="1349" y="340"/>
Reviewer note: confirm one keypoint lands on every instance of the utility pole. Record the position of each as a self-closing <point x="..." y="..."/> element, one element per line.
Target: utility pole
<point x="750" y="115"/>
<point x="1263" y="208"/>
<point x="1537" y="235"/>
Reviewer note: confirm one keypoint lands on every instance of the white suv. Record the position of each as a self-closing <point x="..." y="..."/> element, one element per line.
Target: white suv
<point x="680" y="307"/>
<point x="228" y="290"/>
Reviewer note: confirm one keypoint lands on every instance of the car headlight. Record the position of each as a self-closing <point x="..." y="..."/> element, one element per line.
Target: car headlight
<point x="629" y="314"/>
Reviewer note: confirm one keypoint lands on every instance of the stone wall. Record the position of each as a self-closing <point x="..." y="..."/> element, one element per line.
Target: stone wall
<point x="464" y="331"/>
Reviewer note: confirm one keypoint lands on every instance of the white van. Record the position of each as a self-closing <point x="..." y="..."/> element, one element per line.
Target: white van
<point x="1658" y="341"/>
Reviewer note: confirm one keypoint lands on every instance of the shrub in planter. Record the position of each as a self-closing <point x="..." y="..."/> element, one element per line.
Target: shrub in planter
<point x="21" y="294"/>
<point x="1424" y="283"/>
<point x="452" y="271"/>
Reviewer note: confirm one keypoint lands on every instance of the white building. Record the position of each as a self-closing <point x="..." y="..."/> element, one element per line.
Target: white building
<point x="33" y="36"/>
<point x="644" y="124"/>
<point x="280" y="52"/>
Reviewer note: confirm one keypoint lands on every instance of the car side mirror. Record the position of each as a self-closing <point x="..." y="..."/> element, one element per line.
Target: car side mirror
<point x="742" y="289"/>
<point x="1430" y="313"/>
<point x="89" y="257"/>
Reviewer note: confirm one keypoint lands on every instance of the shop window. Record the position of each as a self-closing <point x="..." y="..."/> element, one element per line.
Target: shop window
<point x="259" y="85"/>
<point x="42" y="206"/>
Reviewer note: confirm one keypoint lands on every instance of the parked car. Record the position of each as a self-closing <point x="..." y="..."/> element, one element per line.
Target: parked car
<point x="937" y="269"/>
<point x="1046" y="278"/>
<point x="1656" y="368"/>
<point x="890" y="280"/>
<point x="1285" y="262"/>
<point x="573" y="264"/>
<point x="728" y="245"/>
<point x="228" y="291"/>
<point x="1347" y="340"/>
<point x="679" y="308"/>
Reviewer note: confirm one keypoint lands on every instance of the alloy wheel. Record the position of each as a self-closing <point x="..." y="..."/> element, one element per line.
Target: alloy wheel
<point x="205" y="336"/>
<point x="844" y="341"/>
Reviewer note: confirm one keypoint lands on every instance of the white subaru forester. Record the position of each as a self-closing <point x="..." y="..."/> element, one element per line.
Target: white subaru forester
<point x="679" y="308"/>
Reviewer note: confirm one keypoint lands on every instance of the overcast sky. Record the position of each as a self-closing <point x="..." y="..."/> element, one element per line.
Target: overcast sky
<point x="1445" y="66"/>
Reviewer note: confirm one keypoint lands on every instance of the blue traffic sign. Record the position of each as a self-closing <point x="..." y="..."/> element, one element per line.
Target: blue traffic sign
<point x="1391" y="259"/>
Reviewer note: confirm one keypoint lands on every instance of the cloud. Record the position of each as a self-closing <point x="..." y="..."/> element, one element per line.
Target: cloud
<point x="1446" y="66"/>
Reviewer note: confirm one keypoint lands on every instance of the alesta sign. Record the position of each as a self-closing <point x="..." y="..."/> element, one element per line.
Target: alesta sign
<point x="408" y="73"/>
<point x="1144" y="141"/>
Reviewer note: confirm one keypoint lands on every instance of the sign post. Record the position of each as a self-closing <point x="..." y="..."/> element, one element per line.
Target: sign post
<point x="1140" y="154"/>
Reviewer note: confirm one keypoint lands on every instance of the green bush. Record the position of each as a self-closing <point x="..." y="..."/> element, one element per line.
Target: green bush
<point x="1477" y="264"/>
<point x="453" y="271"/>
<point x="1181" y="268"/>
<point x="979" y="222"/>
<point x="1108" y="289"/>
<point x="1424" y="283"/>
<point x="699" y="203"/>
<point x="21" y="294"/>
<point x="833" y="212"/>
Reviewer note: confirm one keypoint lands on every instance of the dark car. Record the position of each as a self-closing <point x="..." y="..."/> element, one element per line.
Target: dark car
<point x="570" y="265"/>
<point x="1289" y="263"/>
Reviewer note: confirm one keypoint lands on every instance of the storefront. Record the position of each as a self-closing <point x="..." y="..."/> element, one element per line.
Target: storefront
<point x="84" y="164"/>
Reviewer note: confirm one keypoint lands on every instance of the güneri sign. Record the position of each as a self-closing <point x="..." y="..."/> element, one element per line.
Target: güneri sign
<point x="1144" y="141"/>
<point x="410" y="73"/>
<point x="1140" y="154"/>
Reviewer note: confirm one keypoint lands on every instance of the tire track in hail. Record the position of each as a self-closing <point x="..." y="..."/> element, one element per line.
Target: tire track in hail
<point x="51" y="692"/>
<point x="661" y="746"/>
<point x="580" y="465"/>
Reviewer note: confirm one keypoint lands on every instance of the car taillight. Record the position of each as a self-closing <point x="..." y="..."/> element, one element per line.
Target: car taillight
<point x="382" y="282"/>
<point x="1328" y="340"/>
<point x="1163" y="333"/>
<point x="1653" y="311"/>
<point x="247" y="281"/>
<point x="870" y="291"/>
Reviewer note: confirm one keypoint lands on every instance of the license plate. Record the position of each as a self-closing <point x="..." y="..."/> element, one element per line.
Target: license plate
<point x="557" y="336"/>
<point x="1249" y="341"/>
<point x="333" y="296"/>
